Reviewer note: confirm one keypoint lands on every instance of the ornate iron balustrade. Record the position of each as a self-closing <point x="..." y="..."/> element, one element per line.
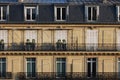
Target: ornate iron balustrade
<point x="68" y="76"/>
<point x="56" y="47"/>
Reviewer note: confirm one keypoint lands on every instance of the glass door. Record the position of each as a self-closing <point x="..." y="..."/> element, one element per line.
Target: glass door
<point x="60" y="67"/>
<point x="91" y="67"/>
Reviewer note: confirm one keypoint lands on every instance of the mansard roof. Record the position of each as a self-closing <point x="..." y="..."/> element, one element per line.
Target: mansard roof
<point x="62" y="1"/>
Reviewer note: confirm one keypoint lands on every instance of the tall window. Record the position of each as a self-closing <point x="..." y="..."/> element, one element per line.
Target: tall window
<point x="31" y="67"/>
<point x="4" y="39"/>
<point x="91" y="67"/>
<point x="2" y="67"/>
<point x="91" y="13"/>
<point x="60" y="13"/>
<point x="91" y="39"/>
<point x="119" y="67"/>
<point x="3" y="13"/>
<point x="61" y="67"/>
<point x="61" y="37"/>
<point x="30" y="13"/>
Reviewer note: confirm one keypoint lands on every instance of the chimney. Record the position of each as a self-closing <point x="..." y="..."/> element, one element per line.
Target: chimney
<point x="20" y="0"/>
<point x="104" y="1"/>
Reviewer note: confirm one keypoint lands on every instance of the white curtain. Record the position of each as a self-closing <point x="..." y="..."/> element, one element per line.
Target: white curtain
<point x="91" y="39"/>
<point x="31" y="34"/>
<point x="118" y="40"/>
<point x="4" y="36"/>
<point x="60" y="34"/>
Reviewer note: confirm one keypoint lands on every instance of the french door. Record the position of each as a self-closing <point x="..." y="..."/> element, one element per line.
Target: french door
<point x="91" y="39"/>
<point x="91" y="67"/>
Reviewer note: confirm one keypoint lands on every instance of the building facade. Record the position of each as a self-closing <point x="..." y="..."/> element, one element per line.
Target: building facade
<point x="59" y="39"/>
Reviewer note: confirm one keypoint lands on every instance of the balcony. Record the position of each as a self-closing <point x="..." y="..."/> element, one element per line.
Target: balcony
<point x="6" y="75"/>
<point x="60" y="47"/>
<point x="68" y="76"/>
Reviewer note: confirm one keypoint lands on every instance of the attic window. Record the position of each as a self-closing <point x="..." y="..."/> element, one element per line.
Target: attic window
<point x="60" y="13"/>
<point x="30" y="13"/>
<point x="91" y="13"/>
<point x="3" y="13"/>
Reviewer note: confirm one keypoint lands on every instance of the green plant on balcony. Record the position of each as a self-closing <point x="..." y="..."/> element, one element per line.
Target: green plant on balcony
<point x="28" y="45"/>
<point x="64" y="44"/>
<point x="1" y="44"/>
<point x="33" y="44"/>
<point x="58" y="44"/>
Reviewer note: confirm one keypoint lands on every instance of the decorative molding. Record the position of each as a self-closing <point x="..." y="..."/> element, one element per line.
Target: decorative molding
<point x="20" y="53"/>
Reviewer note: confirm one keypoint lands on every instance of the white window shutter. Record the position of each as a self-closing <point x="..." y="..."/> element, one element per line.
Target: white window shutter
<point x="67" y="11"/>
<point x="117" y="12"/>
<point x="55" y="13"/>
<point x="118" y="40"/>
<point x="37" y="10"/>
<point x="97" y="12"/>
<point x="86" y="13"/>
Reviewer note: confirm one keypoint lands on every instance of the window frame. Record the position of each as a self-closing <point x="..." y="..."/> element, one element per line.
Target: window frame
<point x="31" y="68"/>
<point x="2" y="62"/>
<point x="61" y="7"/>
<point x="61" y="63"/>
<point x="31" y="9"/>
<point x="7" y="12"/>
<point x="91" y="61"/>
<point x="87" y="13"/>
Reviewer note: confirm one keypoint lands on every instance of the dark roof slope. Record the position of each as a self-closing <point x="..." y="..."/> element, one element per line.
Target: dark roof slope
<point x="45" y="1"/>
<point x="8" y="1"/>
<point x="61" y="1"/>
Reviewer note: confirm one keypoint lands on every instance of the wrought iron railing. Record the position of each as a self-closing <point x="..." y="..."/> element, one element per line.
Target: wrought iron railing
<point x="60" y="47"/>
<point x="6" y="75"/>
<point x="69" y="76"/>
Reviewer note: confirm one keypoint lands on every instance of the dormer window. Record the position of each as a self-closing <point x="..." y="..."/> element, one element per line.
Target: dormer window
<point x="60" y="13"/>
<point x="30" y="13"/>
<point x="91" y="13"/>
<point x="3" y="13"/>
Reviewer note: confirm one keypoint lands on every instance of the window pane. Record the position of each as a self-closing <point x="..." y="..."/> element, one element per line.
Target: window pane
<point x="4" y="12"/>
<point x="89" y="13"/>
<point x="58" y="67"/>
<point x="0" y="13"/>
<point x="28" y="14"/>
<point x="29" y="67"/>
<point x="63" y="13"/>
<point x="4" y="67"/>
<point x="33" y="14"/>
<point x="58" y="14"/>
<point x="94" y="69"/>
<point x="94" y="17"/>
<point x="88" y="69"/>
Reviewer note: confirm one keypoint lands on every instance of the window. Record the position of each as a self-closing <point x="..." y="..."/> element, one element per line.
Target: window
<point x="118" y="12"/>
<point x="30" y="13"/>
<point x="118" y="40"/>
<point x="2" y="67"/>
<point x="31" y="67"/>
<point x="60" y="13"/>
<point x="61" y="37"/>
<point x="3" y="13"/>
<point x="4" y="39"/>
<point x="91" y="39"/>
<point x="91" y="13"/>
<point x="91" y="67"/>
<point x="119" y="67"/>
<point x="61" y="67"/>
